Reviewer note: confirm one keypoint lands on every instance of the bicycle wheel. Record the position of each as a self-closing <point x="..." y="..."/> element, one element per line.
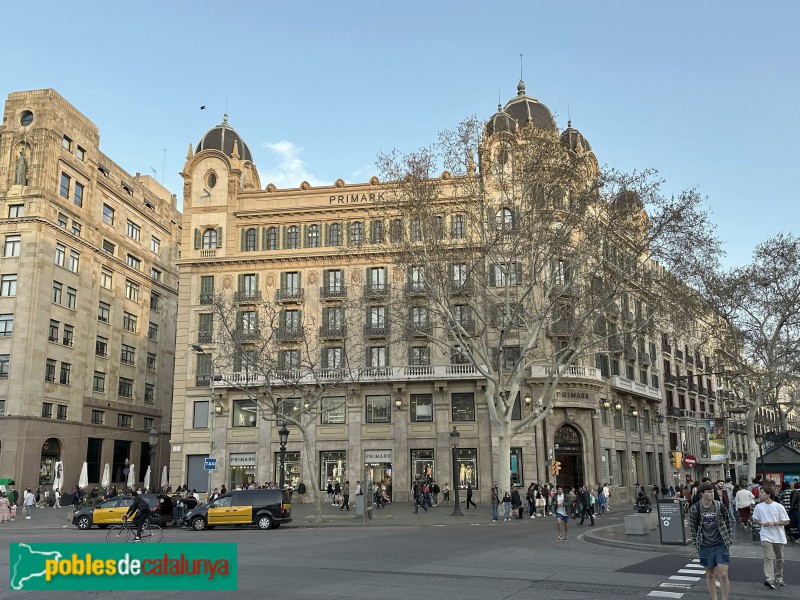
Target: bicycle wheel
<point x="152" y="534"/>
<point x="118" y="535"/>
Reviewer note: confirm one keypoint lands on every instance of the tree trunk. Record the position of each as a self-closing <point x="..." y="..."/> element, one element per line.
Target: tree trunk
<point x="503" y="476"/>
<point x="311" y="466"/>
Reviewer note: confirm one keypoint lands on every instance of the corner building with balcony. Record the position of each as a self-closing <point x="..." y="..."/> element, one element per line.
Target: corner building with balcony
<point x="310" y="250"/>
<point x="88" y="303"/>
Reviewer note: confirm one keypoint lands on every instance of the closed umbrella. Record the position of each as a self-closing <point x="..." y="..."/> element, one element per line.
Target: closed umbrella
<point x="132" y="478"/>
<point x="83" y="479"/>
<point x="106" y="480"/>
<point x="164" y="480"/>
<point x="147" y="479"/>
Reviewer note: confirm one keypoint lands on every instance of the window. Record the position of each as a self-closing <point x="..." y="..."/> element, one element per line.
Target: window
<point x="333" y="357"/>
<point x="292" y="237"/>
<point x="151" y="362"/>
<point x="8" y="285"/>
<point x="289" y="359"/>
<point x="418" y="316"/>
<point x="66" y="369"/>
<point x="124" y="420"/>
<point x="101" y="346"/>
<point x="62" y="220"/>
<point x="379" y="409"/>
<point x="61" y="253"/>
<point x="271" y="241"/>
<point x="125" y="388"/>
<point x="133" y="230"/>
<point x="50" y="370"/>
<point x="457" y="227"/>
<point x="74" y="261"/>
<point x="244" y="413"/>
<point x="376" y="234"/>
<point x="200" y="415"/>
<point x="333" y="410"/>
<point x="438" y="227"/>
<point x="104" y="312"/>
<point x="57" y="289"/>
<point x="106" y="278"/>
<point x="206" y="289"/>
<point x="335" y="234"/>
<point x="459" y="275"/>
<point x="4" y="361"/>
<point x="80" y="153"/>
<point x="288" y="406"/>
<point x="209" y="239"/>
<point x="463" y="407"/>
<point x="52" y="335"/>
<point x="12" y="245"/>
<point x="511" y="355"/>
<point x="78" y="195"/>
<point x="131" y="290"/>
<point x="6" y="325"/>
<point x="356" y="233"/>
<point x="505" y="274"/>
<point x="416" y="230"/>
<point x="152" y="332"/>
<point x="61" y="412"/>
<point x="109" y="247"/>
<point x="155" y="245"/>
<point x="155" y="274"/>
<point x="66" y="143"/>
<point x="47" y="410"/>
<point x="467" y="466"/>
<point x="127" y="188"/>
<point x="72" y="296"/>
<point x="16" y="211"/>
<point x="377" y="357"/>
<point x="419" y="356"/>
<point x="76" y="229"/>
<point x="250" y="240"/>
<point x="98" y="416"/>
<point x="504" y="219"/>
<point x="99" y="382"/>
<point x="421" y="408"/>
<point x="376" y="279"/>
<point x="127" y="355"/>
<point x="108" y="215"/>
<point x="65" y="179"/>
<point x="149" y="393"/>
<point x="134" y="262"/>
<point x="69" y="331"/>
<point x="129" y="322"/>
<point x="155" y="302"/>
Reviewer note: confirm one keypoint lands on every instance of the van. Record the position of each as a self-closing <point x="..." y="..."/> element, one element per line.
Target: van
<point x="266" y="509"/>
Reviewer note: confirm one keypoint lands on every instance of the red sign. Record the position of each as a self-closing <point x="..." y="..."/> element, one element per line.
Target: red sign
<point x="689" y="460"/>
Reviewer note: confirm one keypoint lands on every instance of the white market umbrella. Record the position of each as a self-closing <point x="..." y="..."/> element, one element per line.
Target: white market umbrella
<point x="83" y="480"/>
<point x="58" y="480"/>
<point x="106" y="480"/>
<point x="132" y="477"/>
<point x="164" y="480"/>
<point x="147" y="479"/>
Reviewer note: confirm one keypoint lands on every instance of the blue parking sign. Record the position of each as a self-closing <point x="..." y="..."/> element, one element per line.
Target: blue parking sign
<point x="210" y="464"/>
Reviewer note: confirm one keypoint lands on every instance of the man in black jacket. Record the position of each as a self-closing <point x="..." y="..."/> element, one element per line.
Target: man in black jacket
<point x="142" y="510"/>
<point x="586" y="504"/>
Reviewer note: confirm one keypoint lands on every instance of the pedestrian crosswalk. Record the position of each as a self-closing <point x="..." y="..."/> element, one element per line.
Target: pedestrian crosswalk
<point x="686" y="576"/>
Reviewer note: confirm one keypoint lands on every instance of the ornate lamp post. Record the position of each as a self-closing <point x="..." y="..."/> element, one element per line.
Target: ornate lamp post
<point x="153" y="435"/>
<point x="760" y="443"/>
<point x="454" y="435"/>
<point x="283" y="436"/>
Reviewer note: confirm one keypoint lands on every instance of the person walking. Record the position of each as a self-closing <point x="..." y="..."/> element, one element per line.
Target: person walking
<point x="710" y="530"/>
<point x="446" y="491"/>
<point x="346" y="496"/>
<point x="744" y="501"/>
<point x="530" y="496"/>
<point x="5" y="509"/>
<point x="516" y="502"/>
<point x="301" y="490"/>
<point x="495" y="500"/>
<point x="57" y="496"/>
<point x="772" y="517"/>
<point x="506" y="506"/>
<point x="469" y="496"/>
<point x="587" y="507"/>
<point x="417" y="491"/>
<point x="28" y="501"/>
<point x="562" y="502"/>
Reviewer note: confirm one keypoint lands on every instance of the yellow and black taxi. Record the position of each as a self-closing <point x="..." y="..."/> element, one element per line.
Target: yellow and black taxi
<point x="110" y="512"/>
<point x="266" y="509"/>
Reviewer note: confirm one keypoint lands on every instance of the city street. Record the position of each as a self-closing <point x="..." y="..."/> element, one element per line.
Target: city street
<point x="474" y="559"/>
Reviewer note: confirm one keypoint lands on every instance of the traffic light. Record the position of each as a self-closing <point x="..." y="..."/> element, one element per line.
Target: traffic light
<point x="677" y="459"/>
<point x="555" y="467"/>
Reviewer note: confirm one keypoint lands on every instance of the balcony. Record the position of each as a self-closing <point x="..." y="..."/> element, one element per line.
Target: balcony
<point x="468" y="326"/>
<point x="246" y="335"/>
<point x="206" y="298"/>
<point x="689" y="360"/>
<point x="666" y="348"/>
<point x="333" y="292"/>
<point x="561" y="328"/>
<point x="460" y="288"/>
<point x="693" y="387"/>
<point x="328" y="332"/>
<point x="681" y="383"/>
<point x="289" y="334"/>
<point x="420" y="329"/>
<point x="247" y="297"/>
<point x="566" y="290"/>
<point x="376" y="331"/>
<point x="679" y="354"/>
<point x="416" y="288"/>
<point x="573" y="372"/>
<point x="644" y="359"/>
<point x="702" y="390"/>
<point x="615" y="344"/>
<point x="641" y="389"/>
<point x="673" y="411"/>
<point x="629" y="352"/>
<point x="376" y="290"/>
<point x="290" y="295"/>
<point x="204" y="337"/>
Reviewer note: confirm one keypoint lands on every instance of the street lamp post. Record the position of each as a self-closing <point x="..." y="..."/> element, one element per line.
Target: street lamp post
<point x="283" y="435"/>
<point x="153" y="434"/>
<point x="760" y="443"/>
<point x="454" y="435"/>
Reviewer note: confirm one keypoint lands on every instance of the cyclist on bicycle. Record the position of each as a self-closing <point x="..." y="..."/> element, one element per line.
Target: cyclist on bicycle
<point x="142" y="510"/>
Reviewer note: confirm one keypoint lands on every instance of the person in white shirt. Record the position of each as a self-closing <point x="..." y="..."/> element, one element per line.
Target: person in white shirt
<point x="607" y="494"/>
<point x="57" y="494"/>
<point x="772" y="517"/>
<point x="744" y="501"/>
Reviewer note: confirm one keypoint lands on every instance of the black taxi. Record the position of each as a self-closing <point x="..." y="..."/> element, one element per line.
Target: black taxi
<point x="266" y="509"/>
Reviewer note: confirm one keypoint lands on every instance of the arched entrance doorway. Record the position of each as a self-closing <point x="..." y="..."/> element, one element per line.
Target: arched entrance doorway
<point x="51" y="454"/>
<point x="569" y="452"/>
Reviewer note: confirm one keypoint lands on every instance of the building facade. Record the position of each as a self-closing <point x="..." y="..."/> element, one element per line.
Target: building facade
<point x="314" y="251"/>
<point x="88" y="304"/>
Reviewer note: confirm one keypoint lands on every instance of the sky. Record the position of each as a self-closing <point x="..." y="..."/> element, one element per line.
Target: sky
<point x="705" y="92"/>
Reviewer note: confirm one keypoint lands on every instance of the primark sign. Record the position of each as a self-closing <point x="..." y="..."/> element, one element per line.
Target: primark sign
<point x="377" y="456"/>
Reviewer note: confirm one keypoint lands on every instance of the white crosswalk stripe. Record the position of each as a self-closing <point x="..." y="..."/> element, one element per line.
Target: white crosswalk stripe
<point x="684" y="578"/>
<point x="692" y="571"/>
<point x="660" y="594"/>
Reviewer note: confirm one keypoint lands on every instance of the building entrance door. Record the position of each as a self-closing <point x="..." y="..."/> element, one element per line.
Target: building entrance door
<point x="569" y="452"/>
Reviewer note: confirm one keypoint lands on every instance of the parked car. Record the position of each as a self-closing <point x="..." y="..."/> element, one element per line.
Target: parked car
<point x="266" y="509"/>
<point x="111" y="511"/>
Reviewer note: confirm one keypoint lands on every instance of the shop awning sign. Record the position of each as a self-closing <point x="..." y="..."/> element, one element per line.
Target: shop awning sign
<point x="377" y="456"/>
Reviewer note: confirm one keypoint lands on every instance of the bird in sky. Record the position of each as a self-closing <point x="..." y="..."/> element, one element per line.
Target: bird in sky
<point x="203" y="107"/>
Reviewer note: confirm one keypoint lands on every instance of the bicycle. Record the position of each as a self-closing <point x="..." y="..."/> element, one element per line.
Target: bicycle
<point x="126" y="532"/>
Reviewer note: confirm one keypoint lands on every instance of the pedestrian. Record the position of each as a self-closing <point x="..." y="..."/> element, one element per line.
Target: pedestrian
<point x="329" y="492"/>
<point x="417" y="491"/>
<point x="337" y="492"/>
<point x="446" y="491"/>
<point x="57" y="496"/>
<point x="601" y="501"/>
<point x="301" y="490"/>
<point x="506" y="506"/>
<point x="5" y="509"/>
<point x="426" y="496"/>
<point x="773" y="518"/>
<point x="516" y="502"/>
<point x="744" y="500"/>
<point x="530" y="496"/>
<point x="562" y="502"/>
<point x="540" y="504"/>
<point x="607" y="494"/>
<point x="29" y="500"/>
<point x="346" y="496"/>
<point x="586" y="506"/>
<point x="710" y="529"/>
<point x="495" y="500"/>
<point x="469" y="495"/>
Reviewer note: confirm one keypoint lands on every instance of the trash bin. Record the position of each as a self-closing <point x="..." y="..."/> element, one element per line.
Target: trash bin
<point x="671" y="525"/>
<point x="360" y="498"/>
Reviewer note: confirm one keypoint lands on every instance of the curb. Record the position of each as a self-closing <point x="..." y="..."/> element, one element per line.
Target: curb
<point x="593" y="538"/>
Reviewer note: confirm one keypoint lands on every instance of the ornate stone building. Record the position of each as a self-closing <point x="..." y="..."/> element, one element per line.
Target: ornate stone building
<point x="88" y="303"/>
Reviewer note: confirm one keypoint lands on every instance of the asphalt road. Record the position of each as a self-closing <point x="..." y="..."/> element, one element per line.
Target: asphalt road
<point x="481" y="561"/>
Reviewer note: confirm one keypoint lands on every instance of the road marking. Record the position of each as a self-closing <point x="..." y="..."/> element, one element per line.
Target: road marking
<point x="684" y="578"/>
<point x="691" y="571"/>
<point x="666" y="594"/>
<point x="683" y="586"/>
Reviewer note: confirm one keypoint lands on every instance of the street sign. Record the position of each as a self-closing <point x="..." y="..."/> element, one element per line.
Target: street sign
<point x="210" y="464"/>
<point x="689" y="460"/>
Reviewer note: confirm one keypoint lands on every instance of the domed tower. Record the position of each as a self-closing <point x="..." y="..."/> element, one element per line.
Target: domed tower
<point x="528" y="110"/>
<point x="499" y="122"/>
<point x="223" y="137"/>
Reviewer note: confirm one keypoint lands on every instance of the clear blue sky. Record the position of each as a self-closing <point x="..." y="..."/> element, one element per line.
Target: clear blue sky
<point x="706" y="92"/>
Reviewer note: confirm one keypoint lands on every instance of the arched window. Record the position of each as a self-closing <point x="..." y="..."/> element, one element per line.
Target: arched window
<point x="356" y="233"/>
<point x="251" y="240"/>
<point x="209" y="239"/>
<point x="335" y="234"/>
<point x="504" y="219"/>
<point x="272" y="238"/>
<point x="292" y="237"/>
<point x="313" y="236"/>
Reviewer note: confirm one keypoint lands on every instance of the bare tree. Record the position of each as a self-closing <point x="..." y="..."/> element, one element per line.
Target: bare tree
<point x="532" y="261"/>
<point x="759" y="308"/>
<point x="294" y="370"/>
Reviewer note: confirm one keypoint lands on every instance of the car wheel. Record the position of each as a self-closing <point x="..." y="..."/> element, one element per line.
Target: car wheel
<point x="198" y="524"/>
<point x="83" y="522"/>
<point x="265" y="522"/>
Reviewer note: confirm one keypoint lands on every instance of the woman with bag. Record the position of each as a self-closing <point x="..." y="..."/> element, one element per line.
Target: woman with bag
<point x="506" y="506"/>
